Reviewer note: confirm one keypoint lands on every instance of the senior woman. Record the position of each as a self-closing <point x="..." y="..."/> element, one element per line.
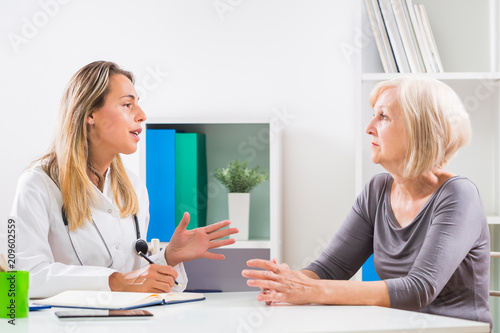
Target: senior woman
<point x="425" y="226"/>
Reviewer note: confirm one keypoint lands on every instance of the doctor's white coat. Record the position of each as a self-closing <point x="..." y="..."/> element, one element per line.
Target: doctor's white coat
<point x="43" y="246"/>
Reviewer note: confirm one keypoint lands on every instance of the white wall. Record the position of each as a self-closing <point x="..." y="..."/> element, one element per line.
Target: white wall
<point x="248" y="58"/>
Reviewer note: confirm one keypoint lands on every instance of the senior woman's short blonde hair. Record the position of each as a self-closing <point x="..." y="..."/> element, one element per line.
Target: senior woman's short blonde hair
<point x="437" y="125"/>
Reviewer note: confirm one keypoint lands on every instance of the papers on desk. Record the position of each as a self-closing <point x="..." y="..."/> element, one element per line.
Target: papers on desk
<point x="113" y="300"/>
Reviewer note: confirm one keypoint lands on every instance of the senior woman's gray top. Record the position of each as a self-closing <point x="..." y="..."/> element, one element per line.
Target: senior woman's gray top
<point x="437" y="264"/>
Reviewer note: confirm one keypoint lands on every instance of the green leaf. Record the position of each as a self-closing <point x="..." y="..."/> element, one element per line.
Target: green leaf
<point x="238" y="178"/>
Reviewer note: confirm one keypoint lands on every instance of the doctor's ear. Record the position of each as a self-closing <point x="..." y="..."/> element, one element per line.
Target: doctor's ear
<point x="90" y="119"/>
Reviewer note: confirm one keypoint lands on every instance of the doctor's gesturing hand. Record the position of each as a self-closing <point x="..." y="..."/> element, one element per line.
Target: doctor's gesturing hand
<point x="187" y="245"/>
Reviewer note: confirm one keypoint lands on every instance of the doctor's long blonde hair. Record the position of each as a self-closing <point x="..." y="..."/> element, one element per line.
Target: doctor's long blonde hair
<point x="66" y="163"/>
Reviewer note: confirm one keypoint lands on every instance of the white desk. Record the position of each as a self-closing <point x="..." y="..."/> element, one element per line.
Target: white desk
<point x="241" y="313"/>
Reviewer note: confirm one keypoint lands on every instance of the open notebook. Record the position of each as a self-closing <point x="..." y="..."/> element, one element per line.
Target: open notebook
<point x="114" y="300"/>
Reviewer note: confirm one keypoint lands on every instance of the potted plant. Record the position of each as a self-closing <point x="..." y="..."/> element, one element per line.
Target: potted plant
<point x="239" y="181"/>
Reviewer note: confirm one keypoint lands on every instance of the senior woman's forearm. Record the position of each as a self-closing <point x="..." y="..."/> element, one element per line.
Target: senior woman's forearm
<point x="352" y="293"/>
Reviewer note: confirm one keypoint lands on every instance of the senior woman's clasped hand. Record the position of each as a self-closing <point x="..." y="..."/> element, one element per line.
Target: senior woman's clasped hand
<point x="425" y="226"/>
<point x="281" y="284"/>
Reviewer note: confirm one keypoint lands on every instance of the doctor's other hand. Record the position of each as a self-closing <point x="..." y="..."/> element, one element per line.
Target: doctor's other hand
<point x="150" y="278"/>
<point x="187" y="245"/>
<point x="281" y="284"/>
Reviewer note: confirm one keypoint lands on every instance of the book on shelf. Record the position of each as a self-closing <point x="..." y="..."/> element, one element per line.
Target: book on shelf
<point x="160" y="181"/>
<point x="403" y="28"/>
<point x="420" y="37"/>
<point x="408" y="39"/>
<point x="436" y="59"/>
<point x="380" y="34"/>
<point x="191" y="178"/>
<point x="394" y="36"/>
<point x="115" y="300"/>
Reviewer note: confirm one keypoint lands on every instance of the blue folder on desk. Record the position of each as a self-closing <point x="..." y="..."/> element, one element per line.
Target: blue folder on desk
<point x="38" y="307"/>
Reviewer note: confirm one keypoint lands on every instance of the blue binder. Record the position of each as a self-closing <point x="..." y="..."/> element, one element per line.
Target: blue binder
<point x="368" y="272"/>
<point x="160" y="181"/>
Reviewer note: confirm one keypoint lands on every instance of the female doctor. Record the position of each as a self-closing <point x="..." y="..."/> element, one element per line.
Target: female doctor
<point x="79" y="212"/>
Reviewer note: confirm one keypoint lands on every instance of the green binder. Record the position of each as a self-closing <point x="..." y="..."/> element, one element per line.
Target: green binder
<point x="191" y="178"/>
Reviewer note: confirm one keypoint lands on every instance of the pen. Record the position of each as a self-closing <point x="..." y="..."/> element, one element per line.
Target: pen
<point x="151" y="262"/>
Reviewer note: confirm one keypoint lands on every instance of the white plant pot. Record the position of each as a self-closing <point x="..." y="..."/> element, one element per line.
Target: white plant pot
<point x="239" y="212"/>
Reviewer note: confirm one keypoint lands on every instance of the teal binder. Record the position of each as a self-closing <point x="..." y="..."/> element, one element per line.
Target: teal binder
<point x="160" y="181"/>
<point x="191" y="178"/>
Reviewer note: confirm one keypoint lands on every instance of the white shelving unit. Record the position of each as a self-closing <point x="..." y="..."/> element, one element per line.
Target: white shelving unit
<point x="258" y="141"/>
<point x="467" y="35"/>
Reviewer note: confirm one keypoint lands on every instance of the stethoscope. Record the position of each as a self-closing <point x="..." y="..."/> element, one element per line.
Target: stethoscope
<point x="141" y="247"/>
